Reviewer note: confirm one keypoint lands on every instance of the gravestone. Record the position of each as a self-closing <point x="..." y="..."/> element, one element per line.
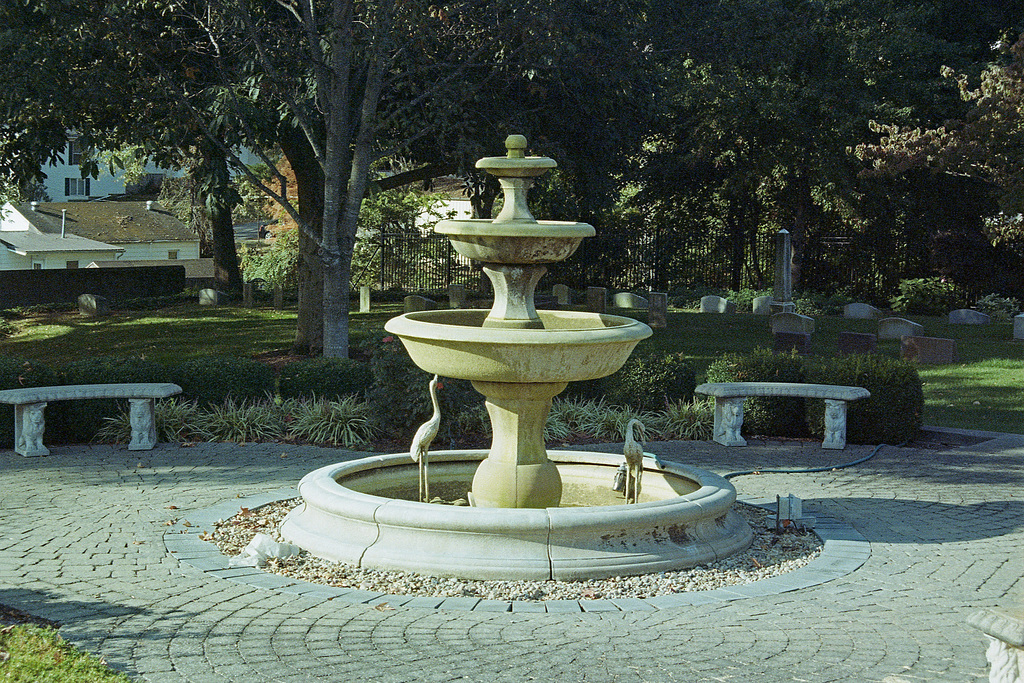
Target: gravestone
<point x="897" y="328"/>
<point x="563" y="294"/>
<point x="657" y="312"/>
<point x="716" y="304"/>
<point x="782" y="291"/>
<point x="597" y="299"/>
<point x="761" y="305"/>
<point x="1018" y="326"/>
<point x="792" y="322"/>
<point x="629" y="300"/>
<point x="967" y="316"/>
<point x="364" y="298"/>
<point x="211" y="297"/>
<point x="860" y="312"/>
<point x="93" y="305"/>
<point x="857" y="342"/>
<point x="785" y="342"/>
<point x="933" y="350"/>
<point x="456" y="296"/>
<point x="414" y="303"/>
<point x="278" y="298"/>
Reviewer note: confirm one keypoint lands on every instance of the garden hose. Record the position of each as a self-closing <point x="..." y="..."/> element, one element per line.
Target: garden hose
<point x="870" y="455"/>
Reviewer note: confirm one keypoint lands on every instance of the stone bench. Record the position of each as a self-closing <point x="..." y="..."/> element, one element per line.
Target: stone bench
<point x="729" y="397"/>
<point x="29" y="403"/>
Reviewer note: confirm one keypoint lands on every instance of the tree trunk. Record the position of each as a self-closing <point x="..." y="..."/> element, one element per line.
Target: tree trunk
<point x="309" y="182"/>
<point x="220" y="201"/>
<point x="802" y="213"/>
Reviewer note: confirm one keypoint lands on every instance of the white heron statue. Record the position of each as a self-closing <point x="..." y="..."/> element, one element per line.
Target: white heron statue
<point x="634" y="453"/>
<point x="421" y="442"/>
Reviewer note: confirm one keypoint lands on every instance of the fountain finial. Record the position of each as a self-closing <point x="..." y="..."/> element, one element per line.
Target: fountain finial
<point x="516" y="146"/>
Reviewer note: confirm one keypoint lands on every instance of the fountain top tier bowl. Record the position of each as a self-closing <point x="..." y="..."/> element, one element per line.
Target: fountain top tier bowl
<point x="514" y="236"/>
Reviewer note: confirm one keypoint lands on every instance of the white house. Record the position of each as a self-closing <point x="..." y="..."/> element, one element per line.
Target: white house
<point x="64" y="181"/>
<point x="74" y="234"/>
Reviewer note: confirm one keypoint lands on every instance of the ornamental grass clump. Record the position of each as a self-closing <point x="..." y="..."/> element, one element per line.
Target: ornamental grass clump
<point x="690" y="420"/>
<point x="175" y="420"/>
<point x="345" y="422"/>
<point x="243" y="421"/>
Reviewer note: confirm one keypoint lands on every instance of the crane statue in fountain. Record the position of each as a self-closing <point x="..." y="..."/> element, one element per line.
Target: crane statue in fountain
<point x="421" y="442"/>
<point x="634" y="453"/>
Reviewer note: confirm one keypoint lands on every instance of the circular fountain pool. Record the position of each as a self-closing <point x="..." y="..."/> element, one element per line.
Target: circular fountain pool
<point x="364" y="513"/>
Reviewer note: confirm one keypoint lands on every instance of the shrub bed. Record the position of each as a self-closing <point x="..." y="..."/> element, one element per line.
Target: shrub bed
<point x="212" y="380"/>
<point x="765" y="416"/>
<point x="891" y="415"/>
<point x="328" y="378"/>
<point x="399" y="396"/>
<point x="16" y="373"/>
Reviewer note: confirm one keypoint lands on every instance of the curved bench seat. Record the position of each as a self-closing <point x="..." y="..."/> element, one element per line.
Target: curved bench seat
<point x="729" y="397"/>
<point x="29" y="402"/>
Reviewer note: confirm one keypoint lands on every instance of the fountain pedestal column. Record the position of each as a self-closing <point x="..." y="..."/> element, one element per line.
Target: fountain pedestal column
<point x="517" y="472"/>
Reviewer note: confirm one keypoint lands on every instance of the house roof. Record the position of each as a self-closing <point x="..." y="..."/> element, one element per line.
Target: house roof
<point x="112" y="222"/>
<point x="29" y="242"/>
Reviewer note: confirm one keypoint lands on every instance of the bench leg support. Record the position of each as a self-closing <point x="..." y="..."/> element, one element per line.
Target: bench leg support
<point x="29" y="425"/>
<point x="142" y="416"/>
<point x="835" y="424"/>
<point x="728" y="421"/>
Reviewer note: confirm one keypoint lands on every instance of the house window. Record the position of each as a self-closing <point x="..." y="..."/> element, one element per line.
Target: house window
<point x="76" y="187"/>
<point x="172" y="254"/>
<point x="37" y="265"/>
<point x="74" y="153"/>
<point x="72" y="264"/>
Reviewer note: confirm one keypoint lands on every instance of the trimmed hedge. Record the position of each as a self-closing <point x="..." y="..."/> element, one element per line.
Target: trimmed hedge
<point x="400" y="398"/>
<point x="651" y="382"/>
<point x="16" y="373"/>
<point x="79" y="421"/>
<point x="328" y="378"/>
<point x="891" y="415"/>
<point x="761" y="415"/>
<point x="211" y="380"/>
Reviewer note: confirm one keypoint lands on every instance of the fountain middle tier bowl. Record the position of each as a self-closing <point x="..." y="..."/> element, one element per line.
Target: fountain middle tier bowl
<point x="572" y="346"/>
<point x="514" y="242"/>
<point x="363" y="513"/>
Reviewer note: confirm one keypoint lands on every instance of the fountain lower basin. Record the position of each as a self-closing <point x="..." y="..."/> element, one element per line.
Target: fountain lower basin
<point x="572" y="346"/>
<point x="350" y="514"/>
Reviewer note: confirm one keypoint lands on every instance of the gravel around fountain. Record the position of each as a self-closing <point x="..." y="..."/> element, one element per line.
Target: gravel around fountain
<point x="770" y="554"/>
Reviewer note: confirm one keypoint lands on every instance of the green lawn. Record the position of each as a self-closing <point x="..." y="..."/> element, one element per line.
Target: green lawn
<point x="35" y="654"/>
<point x="982" y="391"/>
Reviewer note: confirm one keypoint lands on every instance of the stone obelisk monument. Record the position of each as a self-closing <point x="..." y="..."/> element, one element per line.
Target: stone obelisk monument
<point x="782" y="294"/>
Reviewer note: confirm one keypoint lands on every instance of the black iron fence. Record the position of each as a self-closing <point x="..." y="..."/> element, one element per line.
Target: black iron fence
<point x="657" y="261"/>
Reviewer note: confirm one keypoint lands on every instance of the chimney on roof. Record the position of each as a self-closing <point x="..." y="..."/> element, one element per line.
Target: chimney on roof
<point x="149" y="205"/>
<point x="34" y="205"/>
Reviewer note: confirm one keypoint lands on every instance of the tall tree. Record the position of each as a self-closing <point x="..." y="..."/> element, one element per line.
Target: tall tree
<point x="762" y="99"/>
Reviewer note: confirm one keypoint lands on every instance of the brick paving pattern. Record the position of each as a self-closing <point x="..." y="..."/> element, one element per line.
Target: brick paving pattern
<point x="82" y="542"/>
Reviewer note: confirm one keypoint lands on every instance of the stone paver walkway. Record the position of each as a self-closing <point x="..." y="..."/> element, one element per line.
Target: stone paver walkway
<point x="82" y="542"/>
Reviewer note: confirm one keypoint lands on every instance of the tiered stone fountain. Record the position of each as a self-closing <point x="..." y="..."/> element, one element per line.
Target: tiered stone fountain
<point x="535" y="514"/>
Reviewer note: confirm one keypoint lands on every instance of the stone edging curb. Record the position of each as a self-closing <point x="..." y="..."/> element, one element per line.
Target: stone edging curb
<point x="845" y="550"/>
